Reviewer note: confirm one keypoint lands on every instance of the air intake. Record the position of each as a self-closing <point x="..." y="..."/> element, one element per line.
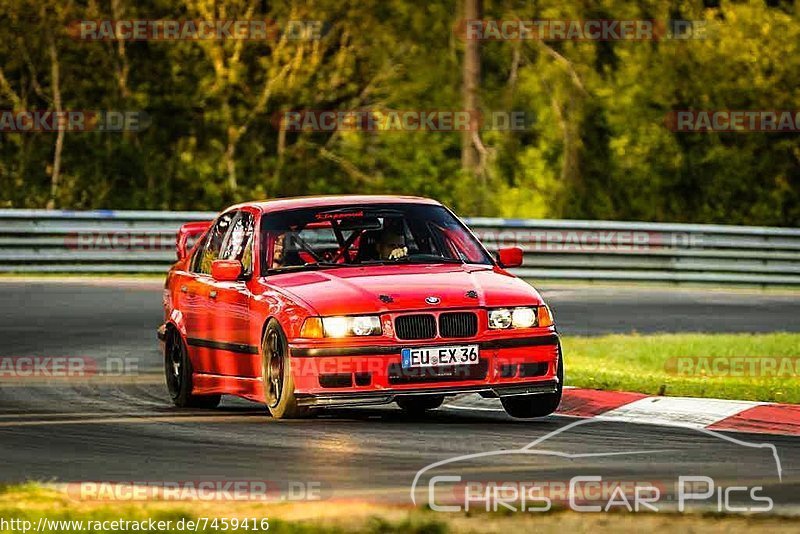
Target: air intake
<point x="459" y="324"/>
<point x="421" y="326"/>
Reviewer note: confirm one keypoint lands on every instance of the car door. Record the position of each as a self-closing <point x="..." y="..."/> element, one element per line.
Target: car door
<point x="235" y="354"/>
<point x="197" y="306"/>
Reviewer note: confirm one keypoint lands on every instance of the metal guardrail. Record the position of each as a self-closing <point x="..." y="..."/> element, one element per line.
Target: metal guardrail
<point x="144" y="241"/>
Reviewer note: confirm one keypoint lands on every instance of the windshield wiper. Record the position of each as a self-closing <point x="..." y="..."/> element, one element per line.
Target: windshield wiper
<point x="428" y="260"/>
<point x="410" y="259"/>
<point x="308" y="267"/>
<point x="327" y="264"/>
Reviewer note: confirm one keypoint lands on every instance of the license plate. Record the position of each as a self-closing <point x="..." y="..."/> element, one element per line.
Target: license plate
<point x="438" y="356"/>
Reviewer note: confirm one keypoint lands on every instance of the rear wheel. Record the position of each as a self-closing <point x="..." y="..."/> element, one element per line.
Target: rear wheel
<point x="527" y="406"/>
<point x="276" y="372"/>
<point x="419" y="405"/>
<point x="178" y="372"/>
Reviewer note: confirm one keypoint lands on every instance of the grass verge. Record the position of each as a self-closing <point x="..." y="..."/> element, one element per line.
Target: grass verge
<point x="30" y="502"/>
<point x="759" y="367"/>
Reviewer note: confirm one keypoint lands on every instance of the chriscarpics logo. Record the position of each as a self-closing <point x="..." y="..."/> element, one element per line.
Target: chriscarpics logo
<point x="678" y="470"/>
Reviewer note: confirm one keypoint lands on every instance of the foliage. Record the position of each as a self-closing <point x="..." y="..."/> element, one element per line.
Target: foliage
<point x="597" y="147"/>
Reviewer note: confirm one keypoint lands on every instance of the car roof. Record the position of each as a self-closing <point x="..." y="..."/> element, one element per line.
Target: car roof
<point x="281" y="204"/>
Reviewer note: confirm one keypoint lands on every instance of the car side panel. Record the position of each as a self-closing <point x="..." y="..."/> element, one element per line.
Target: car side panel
<point x="235" y="353"/>
<point x="198" y="315"/>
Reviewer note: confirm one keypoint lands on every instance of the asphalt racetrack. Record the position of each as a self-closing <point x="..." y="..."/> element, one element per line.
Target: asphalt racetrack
<point x="125" y="429"/>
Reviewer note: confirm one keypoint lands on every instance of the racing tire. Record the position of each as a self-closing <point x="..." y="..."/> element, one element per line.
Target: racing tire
<point x="178" y="373"/>
<point x="419" y="405"/>
<point x="276" y="373"/>
<point x="529" y="406"/>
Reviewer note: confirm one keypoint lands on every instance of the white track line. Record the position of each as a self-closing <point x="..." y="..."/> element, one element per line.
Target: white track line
<point x="678" y="411"/>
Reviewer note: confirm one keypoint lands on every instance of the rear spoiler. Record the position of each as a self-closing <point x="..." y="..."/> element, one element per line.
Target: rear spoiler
<point x="188" y="234"/>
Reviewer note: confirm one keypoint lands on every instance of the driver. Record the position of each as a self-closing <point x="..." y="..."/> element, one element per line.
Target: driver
<point x="277" y="251"/>
<point x="286" y="254"/>
<point x="391" y="245"/>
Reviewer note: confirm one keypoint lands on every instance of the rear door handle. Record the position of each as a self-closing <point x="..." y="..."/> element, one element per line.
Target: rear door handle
<point x="213" y="294"/>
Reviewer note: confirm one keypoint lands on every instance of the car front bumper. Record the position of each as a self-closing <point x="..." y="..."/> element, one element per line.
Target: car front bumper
<point x="363" y="374"/>
<point x="367" y="398"/>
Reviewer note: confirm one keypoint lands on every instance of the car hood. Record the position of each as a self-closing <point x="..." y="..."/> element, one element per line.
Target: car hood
<point x="357" y="290"/>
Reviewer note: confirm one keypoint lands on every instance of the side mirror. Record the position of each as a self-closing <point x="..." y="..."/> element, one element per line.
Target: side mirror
<point x="226" y="270"/>
<point x="188" y="235"/>
<point x="509" y="256"/>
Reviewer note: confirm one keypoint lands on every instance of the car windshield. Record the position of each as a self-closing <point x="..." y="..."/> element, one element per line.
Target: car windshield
<point x="330" y="237"/>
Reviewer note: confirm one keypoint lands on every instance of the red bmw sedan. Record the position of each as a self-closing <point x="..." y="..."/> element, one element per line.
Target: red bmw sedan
<point x="317" y="302"/>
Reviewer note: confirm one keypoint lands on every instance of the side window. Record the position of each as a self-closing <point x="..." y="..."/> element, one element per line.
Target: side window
<point x="210" y="249"/>
<point x="198" y="255"/>
<point x="238" y="243"/>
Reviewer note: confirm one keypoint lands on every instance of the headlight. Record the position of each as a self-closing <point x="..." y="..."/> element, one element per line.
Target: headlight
<point x="499" y="319"/>
<point x="364" y="325"/>
<point x="522" y="317"/>
<point x="335" y="326"/>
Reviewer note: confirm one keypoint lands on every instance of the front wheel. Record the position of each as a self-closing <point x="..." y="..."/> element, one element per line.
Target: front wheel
<point x="178" y="372"/>
<point x="276" y="372"/>
<point x="528" y="406"/>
